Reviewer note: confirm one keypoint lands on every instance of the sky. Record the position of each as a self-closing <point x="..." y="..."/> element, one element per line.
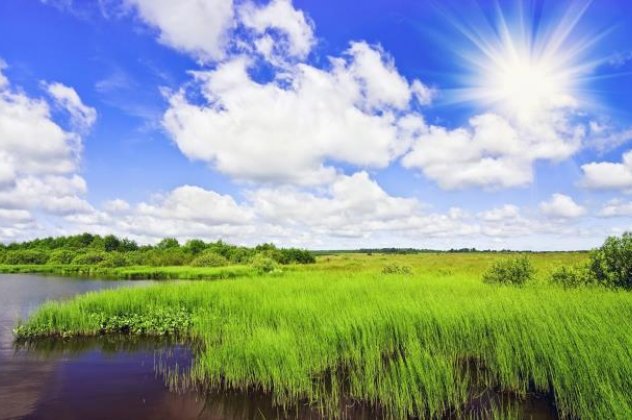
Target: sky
<point x="426" y="124"/>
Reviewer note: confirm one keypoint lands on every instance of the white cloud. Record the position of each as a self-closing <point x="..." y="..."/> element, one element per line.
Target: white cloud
<point x="82" y="116"/>
<point x="38" y="158"/>
<point x="278" y="15"/>
<point x="52" y="193"/>
<point x="616" y="208"/>
<point x="608" y="175"/>
<point x="191" y="203"/>
<point x="506" y="212"/>
<point x="116" y="206"/>
<point x="197" y="27"/>
<point x="562" y="206"/>
<point x="492" y="152"/>
<point x="14" y="216"/>
<point x="287" y="129"/>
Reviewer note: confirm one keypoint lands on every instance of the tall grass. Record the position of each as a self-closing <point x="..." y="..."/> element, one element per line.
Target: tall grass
<point x="409" y="345"/>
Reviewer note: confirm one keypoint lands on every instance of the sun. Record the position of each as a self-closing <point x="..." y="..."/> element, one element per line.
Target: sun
<point x="524" y="85"/>
<point x="524" y="68"/>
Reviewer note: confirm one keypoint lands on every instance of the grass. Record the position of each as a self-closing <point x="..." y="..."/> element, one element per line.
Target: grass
<point x="412" y="344"/>
<point x="135" y="272"/>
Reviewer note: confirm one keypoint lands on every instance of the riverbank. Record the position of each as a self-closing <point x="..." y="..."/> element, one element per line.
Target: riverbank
<point x="133" y="273"/>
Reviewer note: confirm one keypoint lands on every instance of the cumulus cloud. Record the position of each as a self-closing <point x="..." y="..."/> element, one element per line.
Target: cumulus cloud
<point x="616" y="208"/>
<point x="116" y="206"/>
<point x="287" y="129"/>
<point x="491" y="152"/>
<point x="608" y="175"/>
<point x="297" y="34"/>
<point x="82" y="116"/>
<point x="197" y="27"/>
<point x="562" y="206"/>
<point x="38" y="158"/>
<point x="196" y="204"/>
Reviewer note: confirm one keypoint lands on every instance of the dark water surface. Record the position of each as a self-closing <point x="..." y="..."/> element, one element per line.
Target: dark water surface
<point x="118" y="377"/>
<point x="97" y="380"/>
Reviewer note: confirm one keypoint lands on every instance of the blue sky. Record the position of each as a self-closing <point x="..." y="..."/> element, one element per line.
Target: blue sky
<point x="426" y="124"/>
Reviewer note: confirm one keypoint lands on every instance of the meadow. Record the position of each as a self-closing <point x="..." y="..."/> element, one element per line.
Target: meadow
<point x="424" y="342"/>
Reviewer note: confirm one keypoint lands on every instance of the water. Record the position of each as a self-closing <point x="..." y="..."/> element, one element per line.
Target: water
<point x="115" y="377"/>
<point x="95" y="379"/>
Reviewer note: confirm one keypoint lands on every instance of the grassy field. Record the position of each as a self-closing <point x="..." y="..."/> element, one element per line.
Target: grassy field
<point x="409" y="345"/>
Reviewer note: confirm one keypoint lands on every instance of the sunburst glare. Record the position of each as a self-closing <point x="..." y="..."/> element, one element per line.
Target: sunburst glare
<point x="523" y="66"/>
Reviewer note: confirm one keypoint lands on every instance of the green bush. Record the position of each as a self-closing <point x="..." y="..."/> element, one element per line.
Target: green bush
<point x="26" y="256"/>
<point x="575" y="276"/>
<point x="61" y="256"/>
<point x="611" y="264"/>
<point x="264" y="264"/>
<point x="89" y="258"/>
<point x="209" y="259"/>
<point x="396" y="269"/>
<point x="514" y="271"/>
<point x="114" y="259"/>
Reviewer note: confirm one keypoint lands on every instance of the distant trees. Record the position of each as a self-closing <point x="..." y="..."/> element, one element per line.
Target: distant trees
<point x="112" y="251"/>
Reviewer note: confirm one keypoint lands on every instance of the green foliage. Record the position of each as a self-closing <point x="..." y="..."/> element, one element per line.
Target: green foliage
<point x="89" y="249"/>
<point x="574" y="276"/>
<point x="293" y="255"/>
<point x="396" y="269"/>
<point x="195" y="246"/>
<point x="61" y="256"/>
<point x="114" y="259"/>
<point x="209" y="259"/>
<point x="168" y="243"/>
<point x="611" y="264"/>
<point x="89" y="258"/>
<point x="515" y="271"/>
<point x="25" y="256"/>
<point x="264" y="264"/>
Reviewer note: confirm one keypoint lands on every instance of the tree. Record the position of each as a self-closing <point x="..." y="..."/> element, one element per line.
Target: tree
<point x="168" y="243"/>
<point x="111" y="243"/>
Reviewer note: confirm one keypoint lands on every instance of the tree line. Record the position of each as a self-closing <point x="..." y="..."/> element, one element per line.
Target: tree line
<point x="112" y="251"/>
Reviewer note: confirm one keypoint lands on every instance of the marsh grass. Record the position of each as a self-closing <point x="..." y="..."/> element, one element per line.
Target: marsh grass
<point x="342" y="331"/>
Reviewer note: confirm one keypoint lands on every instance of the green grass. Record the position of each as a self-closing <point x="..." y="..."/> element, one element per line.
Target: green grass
<point x="411" y="345"/>
<point x="135" y="272"/>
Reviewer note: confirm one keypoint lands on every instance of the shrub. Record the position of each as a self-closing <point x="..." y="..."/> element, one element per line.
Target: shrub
<point x="611" y="264"/>
<point x="396" y="269"/>
<point x="61" y="256"/>
<point x="569" y="277"/>
<point x="514" y="271"/>
<point x="293" y="255"/>
<point x="89" y="258"/>
<point x="114" y="259"/>
<point x="26" y="256"/>
<point x="264" y="264"/>
<point x="209" y="259"/>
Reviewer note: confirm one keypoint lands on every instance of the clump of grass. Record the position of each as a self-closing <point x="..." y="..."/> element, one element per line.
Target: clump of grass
<point x="396" y="269"/>
<point x="515" y="271"/>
